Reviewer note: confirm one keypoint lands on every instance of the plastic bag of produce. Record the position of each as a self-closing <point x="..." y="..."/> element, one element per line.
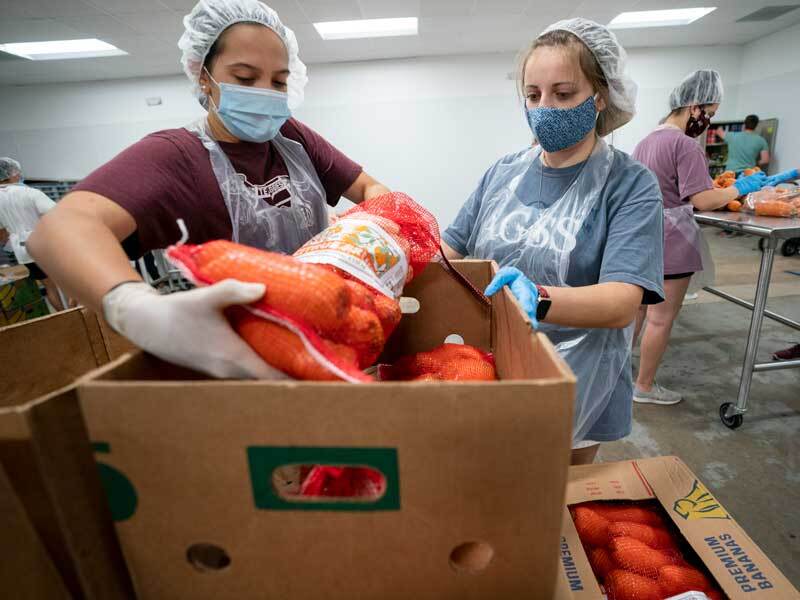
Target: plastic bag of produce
<point x="773" y="202"/>
<point x="328" y="310"/>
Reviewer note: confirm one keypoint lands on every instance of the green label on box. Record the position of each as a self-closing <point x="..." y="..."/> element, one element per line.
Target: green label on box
<point x="264" y="460"/>
<point x="121" y="494"/>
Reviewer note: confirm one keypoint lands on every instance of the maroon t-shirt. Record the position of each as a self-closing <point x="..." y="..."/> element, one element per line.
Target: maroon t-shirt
<point x="168" y="176"/>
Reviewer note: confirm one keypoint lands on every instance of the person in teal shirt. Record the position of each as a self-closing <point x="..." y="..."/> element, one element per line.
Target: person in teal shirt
<point x="746" y="149"/>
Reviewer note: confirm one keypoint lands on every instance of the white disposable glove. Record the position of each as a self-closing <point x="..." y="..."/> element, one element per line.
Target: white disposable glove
<point x="189" y="328"/>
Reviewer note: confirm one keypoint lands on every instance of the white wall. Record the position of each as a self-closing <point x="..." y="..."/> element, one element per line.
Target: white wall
<point x="428" y="126"/>
<point x="658" y="70"/>
<point x="770" y="87"/>
<point x="65" y="130"/>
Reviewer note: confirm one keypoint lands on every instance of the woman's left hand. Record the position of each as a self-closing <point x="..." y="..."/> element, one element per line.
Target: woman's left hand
<point x="524" y="290"/>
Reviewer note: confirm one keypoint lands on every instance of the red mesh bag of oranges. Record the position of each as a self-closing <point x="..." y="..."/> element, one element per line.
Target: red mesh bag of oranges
<point x="636" y="554"/>
<point x="328" y="309"/>
<point x="448" y="362"/>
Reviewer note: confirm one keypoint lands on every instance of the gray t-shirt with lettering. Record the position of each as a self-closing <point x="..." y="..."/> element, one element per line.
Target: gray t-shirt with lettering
<point x="621" y="240"/>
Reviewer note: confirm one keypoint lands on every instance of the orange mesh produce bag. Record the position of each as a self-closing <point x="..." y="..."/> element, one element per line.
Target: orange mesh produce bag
<point x="448" y="362"/>
<point x="636" y="554"/>
<point x="328" y="310"/>
<point x="302" y="321"/>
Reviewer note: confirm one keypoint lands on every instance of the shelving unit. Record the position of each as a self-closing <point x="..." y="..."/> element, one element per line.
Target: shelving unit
<point x="53" y="188"/>
<point x="717" y="150"/>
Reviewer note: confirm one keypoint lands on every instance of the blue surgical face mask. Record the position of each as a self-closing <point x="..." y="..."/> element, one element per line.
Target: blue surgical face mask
<point x="251" y="114"/>
<point x="560" y="128"/>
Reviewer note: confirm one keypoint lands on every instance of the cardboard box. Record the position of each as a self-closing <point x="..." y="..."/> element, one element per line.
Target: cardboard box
<point x="740" y="568"/>
<point x="475" y="471"/>
<point x="45" y="449"/>
<point x="26" y="571"/>
<point x="20" y="298"/>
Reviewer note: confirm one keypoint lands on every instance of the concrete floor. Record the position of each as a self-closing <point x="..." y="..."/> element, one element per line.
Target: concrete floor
<point x="755" y="470"/>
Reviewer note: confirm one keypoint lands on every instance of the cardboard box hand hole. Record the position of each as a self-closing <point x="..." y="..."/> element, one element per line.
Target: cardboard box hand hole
<point x="208" y="557"/>
<point x="471" y="557"/>
<point x="409" y="306"/>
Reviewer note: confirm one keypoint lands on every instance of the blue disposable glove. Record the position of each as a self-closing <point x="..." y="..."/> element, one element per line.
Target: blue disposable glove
<point x="524" y="290"/>
<point x="790" y="175"/>
<point x="751" y="183"/>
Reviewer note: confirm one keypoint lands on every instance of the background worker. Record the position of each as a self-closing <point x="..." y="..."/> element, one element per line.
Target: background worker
<point x="21" y="207"/>
<point x="746" y="149"/>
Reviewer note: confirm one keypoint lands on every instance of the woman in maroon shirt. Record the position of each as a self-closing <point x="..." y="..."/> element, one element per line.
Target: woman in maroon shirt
<point x="247" y="172"/>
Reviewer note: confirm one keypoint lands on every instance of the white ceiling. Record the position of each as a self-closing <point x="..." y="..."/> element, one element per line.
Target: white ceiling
<point x="149" y="29"/>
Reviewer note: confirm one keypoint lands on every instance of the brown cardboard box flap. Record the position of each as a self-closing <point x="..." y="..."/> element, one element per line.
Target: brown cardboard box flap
<point x="43" y="355"/>
<point x="46" y="452"/>
<point x="736" y="562"/>
<point x="25" y="568"/>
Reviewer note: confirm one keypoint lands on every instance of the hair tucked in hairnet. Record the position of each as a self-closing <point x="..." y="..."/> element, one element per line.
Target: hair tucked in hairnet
<point x="9" y="168"/>
<point x="700" y="88"/>
<point x="612" y="60"/>
<point x="209" y="18"/>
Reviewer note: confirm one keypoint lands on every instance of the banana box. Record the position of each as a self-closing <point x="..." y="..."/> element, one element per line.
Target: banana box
<point x="702" y="538"/>
<point x="20" y="299"/>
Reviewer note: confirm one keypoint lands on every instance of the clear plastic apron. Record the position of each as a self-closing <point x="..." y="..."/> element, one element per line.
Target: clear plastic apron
<point x="542" y="253"/>
<point x="679" y="221"/>
<point x="253" y="220"/>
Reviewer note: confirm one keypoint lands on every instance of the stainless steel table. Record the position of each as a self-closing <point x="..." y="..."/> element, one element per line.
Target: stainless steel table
<point x="772" y="230"/>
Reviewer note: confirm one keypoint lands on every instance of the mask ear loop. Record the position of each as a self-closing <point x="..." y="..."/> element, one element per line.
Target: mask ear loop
<point x="210" y="97"/>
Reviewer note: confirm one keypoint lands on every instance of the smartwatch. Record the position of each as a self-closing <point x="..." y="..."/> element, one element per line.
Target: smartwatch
<point x="544" y="303"/>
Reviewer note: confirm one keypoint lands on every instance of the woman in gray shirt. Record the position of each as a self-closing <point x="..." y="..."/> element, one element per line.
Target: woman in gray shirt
<point x="580" y="219"/>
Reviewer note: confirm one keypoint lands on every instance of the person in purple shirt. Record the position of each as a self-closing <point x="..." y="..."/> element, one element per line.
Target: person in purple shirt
<point x="247" y="172"/>
<point x="680" y="165"/>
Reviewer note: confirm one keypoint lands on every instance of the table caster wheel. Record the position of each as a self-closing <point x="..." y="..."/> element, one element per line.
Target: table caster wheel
<point x="733" y="422"/>
<point x="790" y="247"/>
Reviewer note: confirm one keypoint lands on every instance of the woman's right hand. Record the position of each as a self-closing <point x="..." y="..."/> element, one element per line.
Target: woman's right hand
<point x="189" y="328"/>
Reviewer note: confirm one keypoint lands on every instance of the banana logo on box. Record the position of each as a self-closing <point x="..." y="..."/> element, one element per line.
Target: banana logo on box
<point x="700" y="504"/>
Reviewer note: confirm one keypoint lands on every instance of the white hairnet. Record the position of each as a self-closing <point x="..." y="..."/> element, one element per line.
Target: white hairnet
<point x="701" y="87"/>
<point x="612" y="58"/>
<point x="209" y="18"/>
<point x="9" y="168"/>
